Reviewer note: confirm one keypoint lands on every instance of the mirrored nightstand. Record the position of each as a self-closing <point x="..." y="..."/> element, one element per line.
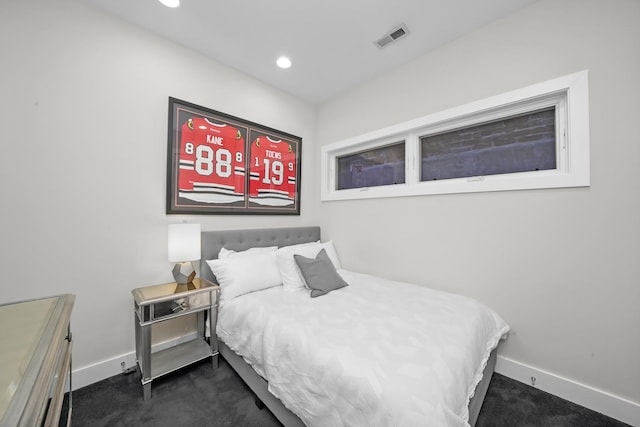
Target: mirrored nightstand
<point x="160" y="303"/>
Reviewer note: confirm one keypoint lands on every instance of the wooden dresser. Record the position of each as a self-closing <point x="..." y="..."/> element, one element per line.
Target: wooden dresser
<point x="35" y="362"/>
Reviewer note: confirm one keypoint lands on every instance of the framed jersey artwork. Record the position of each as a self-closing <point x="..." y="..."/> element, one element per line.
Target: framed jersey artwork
<point x="221" y="164"/>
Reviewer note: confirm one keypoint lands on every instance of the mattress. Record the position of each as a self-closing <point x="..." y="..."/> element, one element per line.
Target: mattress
<point x="376" y="353"/>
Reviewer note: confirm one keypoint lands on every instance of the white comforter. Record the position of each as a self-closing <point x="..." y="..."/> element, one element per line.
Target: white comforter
<point x="375" y="353"/>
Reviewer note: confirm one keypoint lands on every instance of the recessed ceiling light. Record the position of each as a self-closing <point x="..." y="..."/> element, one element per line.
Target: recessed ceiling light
<point x="283" y="62"/>
<point x="170" y="3"/>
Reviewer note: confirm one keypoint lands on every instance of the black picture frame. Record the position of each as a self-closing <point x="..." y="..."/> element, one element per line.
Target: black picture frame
<point x="221" y="164"/>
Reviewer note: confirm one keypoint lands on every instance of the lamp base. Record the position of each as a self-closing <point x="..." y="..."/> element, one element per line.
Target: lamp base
<point x="183" y="273"/>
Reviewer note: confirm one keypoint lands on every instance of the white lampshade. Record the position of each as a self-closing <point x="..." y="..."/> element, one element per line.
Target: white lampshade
<point x="184" y="242"/>
<point x="170" y="3"/>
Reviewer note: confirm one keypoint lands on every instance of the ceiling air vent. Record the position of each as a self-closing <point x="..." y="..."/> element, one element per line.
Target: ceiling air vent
<point x="395" y="34"/>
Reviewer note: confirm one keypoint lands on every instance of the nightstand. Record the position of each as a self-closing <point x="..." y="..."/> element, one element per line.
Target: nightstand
<point x="160" y="303"/>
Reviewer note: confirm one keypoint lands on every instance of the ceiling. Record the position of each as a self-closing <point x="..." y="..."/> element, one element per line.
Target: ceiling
<point x="330" y="42"/>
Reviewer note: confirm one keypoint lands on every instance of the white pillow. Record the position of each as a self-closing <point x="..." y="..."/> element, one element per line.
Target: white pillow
<point x="333" y="255"/>
<point x="291" y="277"/>
<point x="239" y="275"/>
<point x="226" y="253"/>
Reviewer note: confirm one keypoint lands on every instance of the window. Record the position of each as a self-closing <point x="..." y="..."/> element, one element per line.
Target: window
<point x="371" y="168"/>
<point x="534" y="137"/>
<point x="515" y="144"/>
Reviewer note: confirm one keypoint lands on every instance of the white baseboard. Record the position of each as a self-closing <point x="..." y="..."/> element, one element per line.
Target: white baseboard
<point x="597" y="400"/>
<point x="87" y="375"/>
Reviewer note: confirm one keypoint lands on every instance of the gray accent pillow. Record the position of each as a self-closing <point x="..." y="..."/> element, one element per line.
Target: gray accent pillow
<point x="319" y="273"/>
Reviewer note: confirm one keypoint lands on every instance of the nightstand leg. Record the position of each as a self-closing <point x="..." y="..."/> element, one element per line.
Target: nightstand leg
<point x="213" y="338"/>
<point x="136" y="325"/>
<point x="146" y="391"/>
<point x="145" y="360"/>
<point x="214" y="361"/>
<point x="201" y="324"/>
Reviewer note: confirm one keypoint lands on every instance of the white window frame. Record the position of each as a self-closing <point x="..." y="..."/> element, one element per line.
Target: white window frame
<point x="568" y="94"/>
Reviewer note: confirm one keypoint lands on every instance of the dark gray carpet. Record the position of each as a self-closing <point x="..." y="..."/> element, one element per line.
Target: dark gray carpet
<point x="511" y="403"/>
<point x="201" y="396"/>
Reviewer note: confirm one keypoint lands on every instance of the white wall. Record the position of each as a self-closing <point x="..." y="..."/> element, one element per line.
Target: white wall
<point x="83" y="164"/>
<point x="561" y="266"/>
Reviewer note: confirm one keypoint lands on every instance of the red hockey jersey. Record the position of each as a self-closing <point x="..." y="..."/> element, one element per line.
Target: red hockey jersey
<point x="211" y="162"/>
<point x="272" y="172"/>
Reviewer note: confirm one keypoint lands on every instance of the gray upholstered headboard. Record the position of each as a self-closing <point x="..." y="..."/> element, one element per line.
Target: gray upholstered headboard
<point x="239" y="240"/>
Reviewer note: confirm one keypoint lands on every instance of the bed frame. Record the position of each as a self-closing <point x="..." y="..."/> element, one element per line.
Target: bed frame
<point x="213" y="241"/>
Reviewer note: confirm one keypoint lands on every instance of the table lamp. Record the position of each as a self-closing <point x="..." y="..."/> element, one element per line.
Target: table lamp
<point x="184" y="247"/>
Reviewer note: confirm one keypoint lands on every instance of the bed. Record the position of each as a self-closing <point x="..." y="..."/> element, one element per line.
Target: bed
<point x="336" y="359"/>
